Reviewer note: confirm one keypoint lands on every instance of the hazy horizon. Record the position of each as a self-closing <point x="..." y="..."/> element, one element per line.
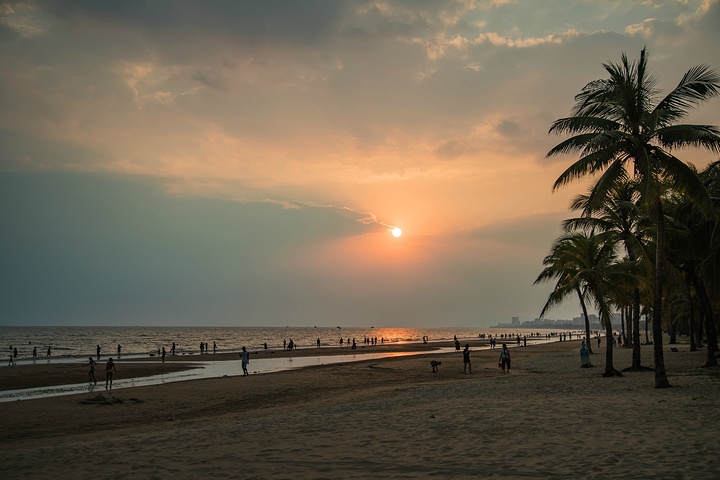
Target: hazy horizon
<point x="243" y="163"/>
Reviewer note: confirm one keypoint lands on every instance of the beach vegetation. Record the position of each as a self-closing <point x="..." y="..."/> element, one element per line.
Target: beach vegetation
<point x="586" y="263"/>
<point x="623" y="130"/>
<point x="622" y="217"/>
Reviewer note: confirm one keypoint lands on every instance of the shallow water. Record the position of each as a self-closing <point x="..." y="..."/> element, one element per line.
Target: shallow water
<point x="207" y="369"/>
<point x="81" y="342"/>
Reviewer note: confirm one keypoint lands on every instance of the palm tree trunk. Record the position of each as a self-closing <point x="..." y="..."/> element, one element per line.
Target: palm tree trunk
<point x="636" y="330"/>
<point x="609" y="367"/>
<point x="691" y="324"/>
<point x="661" y="380"/>
<point x="628" y="315"/>
<point x="710" y="329"/>
<point x="587" y="320"/>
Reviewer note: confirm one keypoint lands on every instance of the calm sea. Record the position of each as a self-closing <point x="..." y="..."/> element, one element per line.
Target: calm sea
<point x="79" y="342"/>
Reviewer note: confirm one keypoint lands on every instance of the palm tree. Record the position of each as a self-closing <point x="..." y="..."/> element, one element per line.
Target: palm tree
<point x="622" y="217"/>
<point x="693" y="242"/>
<point x="563" y="268"/>
<point x="585" y="263"/>
<point x="619" y="128"/>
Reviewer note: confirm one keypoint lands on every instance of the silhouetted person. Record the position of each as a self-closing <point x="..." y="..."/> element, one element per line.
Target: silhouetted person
<point x="505" y="358"/>
<point x="91" y="373"/>
<point x="246" y="359"/>
<point x="466" y="359"/>
<point x="109" y="371"/>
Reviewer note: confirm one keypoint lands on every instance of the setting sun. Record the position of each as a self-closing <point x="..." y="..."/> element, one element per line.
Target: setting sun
<point x="396" y="232"/>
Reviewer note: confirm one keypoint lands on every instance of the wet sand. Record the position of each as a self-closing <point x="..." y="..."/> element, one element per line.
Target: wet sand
<point x="389" y="418"/>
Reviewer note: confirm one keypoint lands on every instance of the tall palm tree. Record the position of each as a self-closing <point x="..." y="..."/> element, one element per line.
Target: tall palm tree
<point x="619" y="128"/>
<point x="586" y="262"/>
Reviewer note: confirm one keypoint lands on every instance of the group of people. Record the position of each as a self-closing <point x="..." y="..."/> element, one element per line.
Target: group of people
<point x="110" y="370"/>
<point x="503" y="361"/>
<point x="14" y="354"/>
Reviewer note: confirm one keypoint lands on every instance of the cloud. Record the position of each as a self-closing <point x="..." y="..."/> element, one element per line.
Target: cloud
<point x="508" y="128"/>
<point x="363" y="217"/>
<point x="332" y="120"/>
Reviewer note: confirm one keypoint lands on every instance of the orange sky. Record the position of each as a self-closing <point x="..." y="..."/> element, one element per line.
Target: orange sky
<point x="296" y="133"/>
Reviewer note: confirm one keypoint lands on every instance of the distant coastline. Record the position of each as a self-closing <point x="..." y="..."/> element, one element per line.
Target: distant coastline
<point x="577" y="323"/>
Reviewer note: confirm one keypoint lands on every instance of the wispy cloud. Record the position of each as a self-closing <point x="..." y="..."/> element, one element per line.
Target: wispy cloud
<point x="364" y="217"/>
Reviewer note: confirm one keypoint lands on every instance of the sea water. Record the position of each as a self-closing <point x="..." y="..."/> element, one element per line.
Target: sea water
<point x="67" y="343"/>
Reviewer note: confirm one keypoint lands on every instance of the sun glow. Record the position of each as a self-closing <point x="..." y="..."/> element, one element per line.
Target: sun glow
<point x="396" y="232"/>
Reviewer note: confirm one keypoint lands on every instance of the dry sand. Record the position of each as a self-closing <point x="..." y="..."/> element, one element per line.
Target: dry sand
<point x="388" y="418"/>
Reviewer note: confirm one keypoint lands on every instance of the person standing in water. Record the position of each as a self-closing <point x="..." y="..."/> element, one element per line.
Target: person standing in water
<point x="109" y="371"/>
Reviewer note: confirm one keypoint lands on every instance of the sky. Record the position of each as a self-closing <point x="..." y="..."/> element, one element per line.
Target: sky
<point x="243" y="163"/>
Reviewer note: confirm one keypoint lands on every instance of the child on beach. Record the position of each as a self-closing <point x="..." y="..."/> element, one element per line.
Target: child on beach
<point x="91" y="373"/>
<point x="109" y="371"/>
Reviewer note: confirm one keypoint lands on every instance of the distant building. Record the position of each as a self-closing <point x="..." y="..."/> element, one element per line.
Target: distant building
<point x="515" y="321"/>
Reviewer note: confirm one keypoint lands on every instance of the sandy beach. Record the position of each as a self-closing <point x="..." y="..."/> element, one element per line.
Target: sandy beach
<point x="389" y="418"/>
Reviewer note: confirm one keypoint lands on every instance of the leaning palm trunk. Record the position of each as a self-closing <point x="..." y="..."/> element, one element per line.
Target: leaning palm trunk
<point x="587" y="321"/>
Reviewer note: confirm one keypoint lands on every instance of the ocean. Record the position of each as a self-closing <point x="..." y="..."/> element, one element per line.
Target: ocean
<point x="79" y="342"/>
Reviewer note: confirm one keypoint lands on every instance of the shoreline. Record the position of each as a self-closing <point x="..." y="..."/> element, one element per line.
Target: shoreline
<point x="388" y="418"/>
<point x="73" y="371"/>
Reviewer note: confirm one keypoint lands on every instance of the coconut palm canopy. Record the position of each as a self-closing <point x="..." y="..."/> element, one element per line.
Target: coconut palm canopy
<point x="624" y="130"/>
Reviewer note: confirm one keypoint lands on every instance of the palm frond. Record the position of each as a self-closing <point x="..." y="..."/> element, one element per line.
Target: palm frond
<point x="698" y="85"/>
<point x="679" y="136"/>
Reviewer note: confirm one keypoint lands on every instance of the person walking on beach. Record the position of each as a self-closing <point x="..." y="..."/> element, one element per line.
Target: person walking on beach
<point x="172" y="350"/>
<point x="318" y="343"/>
<point x="91" y="373"/>
<point x="505" y="358"/>
<point x="48" y="352"/>
<point x="98" y="352"/>
<point x="119" y="349"/>
<point x="163" y="354"/>
<point x="245" y="360"/>
<point x="34" y="352"/>
<point x="109" y="371"/>
<point x="466" y="359"/>
<point x="214" y="348"/>
<point x="11" y="362"/>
